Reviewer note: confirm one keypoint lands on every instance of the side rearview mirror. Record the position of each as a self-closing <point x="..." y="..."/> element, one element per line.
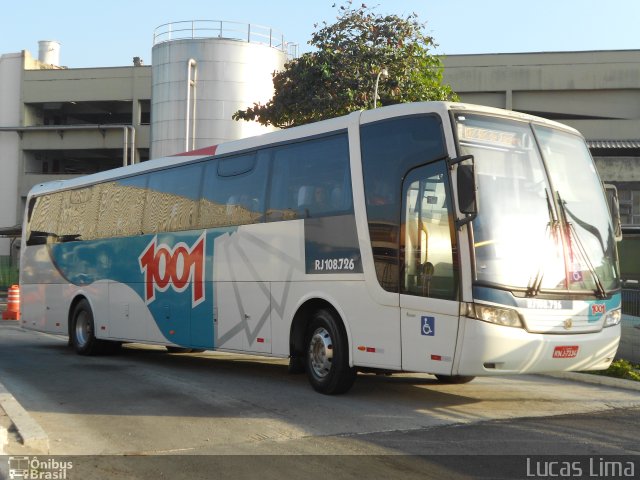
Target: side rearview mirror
<point x="614" y="210"/>
<point x="467" y="189"/>
<point x="467" y="200"/>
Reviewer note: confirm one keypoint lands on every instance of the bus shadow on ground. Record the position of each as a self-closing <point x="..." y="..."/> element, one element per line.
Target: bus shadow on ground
<point x="147" y="380"/>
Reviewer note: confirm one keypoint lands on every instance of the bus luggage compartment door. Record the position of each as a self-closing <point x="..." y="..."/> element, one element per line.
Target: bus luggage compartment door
<point x="244" y="316"/>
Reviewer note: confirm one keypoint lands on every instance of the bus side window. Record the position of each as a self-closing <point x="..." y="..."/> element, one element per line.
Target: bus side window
<point x="121" y="207"/>
<point x="390" y="148"/>
<point x="233" y="191"/>
<point x="172" y="199"/>
<point x="43" y="223"/>
<point x="79" y="215"/>
<point x="311" y="179"/>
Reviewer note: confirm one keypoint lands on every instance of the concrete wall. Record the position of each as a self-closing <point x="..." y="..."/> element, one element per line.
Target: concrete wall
<point x="559" y="71"/>
<point x="587" y="90"/>
<point x="88" y="85"/>
<point x="10" y="107"/>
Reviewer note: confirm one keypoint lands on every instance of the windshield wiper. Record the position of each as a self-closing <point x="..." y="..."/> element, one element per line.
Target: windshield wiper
<point x="534" y="288"/>
<point x="565" y="212"/>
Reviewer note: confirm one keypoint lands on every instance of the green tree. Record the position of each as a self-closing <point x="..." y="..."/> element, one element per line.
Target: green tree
<point x="339" y="76"/>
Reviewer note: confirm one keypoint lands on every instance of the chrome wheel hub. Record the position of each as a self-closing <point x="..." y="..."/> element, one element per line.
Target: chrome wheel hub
<point x="83" y="328"/>
<point x="321" y="352"/>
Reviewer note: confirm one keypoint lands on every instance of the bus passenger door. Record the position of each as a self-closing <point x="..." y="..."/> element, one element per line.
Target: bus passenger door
<point x="428" y="275"/>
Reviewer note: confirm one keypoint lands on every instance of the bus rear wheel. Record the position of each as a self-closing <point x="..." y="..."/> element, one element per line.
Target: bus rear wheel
<point x="82" y="331"/>
<point x="327" y="355"/>
<point x="172" y="349"/>
<point x="454" y="379"/>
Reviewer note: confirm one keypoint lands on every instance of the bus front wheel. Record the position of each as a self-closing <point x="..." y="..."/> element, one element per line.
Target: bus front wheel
<point x="327" y="355"/>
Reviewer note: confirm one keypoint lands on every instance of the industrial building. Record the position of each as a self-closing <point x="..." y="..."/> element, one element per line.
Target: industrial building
<point x="58" y="122"/>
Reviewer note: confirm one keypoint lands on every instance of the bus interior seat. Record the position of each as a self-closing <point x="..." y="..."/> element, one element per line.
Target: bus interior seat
<point x="337" y="198"/>
<point x="233" y="202"/>
<point x="305" y="196"/>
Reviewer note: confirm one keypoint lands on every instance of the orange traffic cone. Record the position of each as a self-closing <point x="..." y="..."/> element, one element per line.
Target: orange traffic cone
<point x="13" y="304"/>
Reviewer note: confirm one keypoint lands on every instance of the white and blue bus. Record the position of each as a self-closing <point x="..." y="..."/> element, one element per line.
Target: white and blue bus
<point x="444" y="238"/>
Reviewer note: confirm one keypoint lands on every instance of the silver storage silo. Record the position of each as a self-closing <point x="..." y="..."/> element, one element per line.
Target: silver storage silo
<point x="49" y="52"/>
<point x="202" y="72"/>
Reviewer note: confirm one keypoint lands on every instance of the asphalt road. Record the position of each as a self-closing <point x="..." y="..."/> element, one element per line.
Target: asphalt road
<point x="145" y="413"/>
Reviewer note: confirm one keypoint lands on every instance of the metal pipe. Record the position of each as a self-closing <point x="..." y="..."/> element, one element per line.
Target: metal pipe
<point x="192" y="67"/>
<point x="195" y="104"/>
<point x="125" y="146"/>
<point x="133" y="144"/>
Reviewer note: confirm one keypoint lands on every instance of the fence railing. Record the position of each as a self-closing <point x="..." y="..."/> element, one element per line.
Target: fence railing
<point x="631" y="301"/>
<point x="250" y="33"/>
<point x="8" y="273"/>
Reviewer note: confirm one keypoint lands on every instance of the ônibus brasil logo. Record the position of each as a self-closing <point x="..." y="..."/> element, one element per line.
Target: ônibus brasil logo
<point x="177" y="267"/>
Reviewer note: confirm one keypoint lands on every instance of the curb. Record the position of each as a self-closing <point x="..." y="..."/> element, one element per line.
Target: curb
<point x="4" y="439"/>
<point x="598" y="380"/>
<point x="31" y="433"/>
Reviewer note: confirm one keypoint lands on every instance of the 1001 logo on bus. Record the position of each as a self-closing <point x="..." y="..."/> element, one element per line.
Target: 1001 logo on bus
<point x="177" y="267"/>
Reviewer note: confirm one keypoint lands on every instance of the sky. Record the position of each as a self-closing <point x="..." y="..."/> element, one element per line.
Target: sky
<point x="111" y="33"/>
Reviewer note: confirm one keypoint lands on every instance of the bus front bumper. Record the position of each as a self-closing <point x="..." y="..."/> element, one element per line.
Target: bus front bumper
<point x="489" y="349"/>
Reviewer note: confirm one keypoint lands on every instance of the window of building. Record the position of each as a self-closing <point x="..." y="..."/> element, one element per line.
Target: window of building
<point x="629" y="197"/>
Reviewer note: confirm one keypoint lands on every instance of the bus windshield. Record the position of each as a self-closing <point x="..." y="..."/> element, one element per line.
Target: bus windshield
<point x="543" y="222"/>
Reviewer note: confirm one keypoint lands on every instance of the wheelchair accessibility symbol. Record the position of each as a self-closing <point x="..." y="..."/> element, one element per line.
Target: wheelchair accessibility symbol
<point x="428" y="326"/>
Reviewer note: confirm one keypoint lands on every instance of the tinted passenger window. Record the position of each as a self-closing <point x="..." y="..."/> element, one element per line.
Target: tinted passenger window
<point x="232" y="166"/>
<point x="79" y="214"/>
<point x="390" y="148"/>
<point x="310" y="179"/>
<point x="172" y="199"/>
<point x="121" y="207"/>
<point x="233" y="195"/>
<point x="43" y="223"/>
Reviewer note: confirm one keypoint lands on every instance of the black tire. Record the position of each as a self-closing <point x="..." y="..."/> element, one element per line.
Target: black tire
<point x="454" y="379"/>
<point x="110" y="347"/>
<point x="82" y="331"/>
<point x="297" y="365"/>
<point x="172" y="349"/>
<point x="327" y="355"/>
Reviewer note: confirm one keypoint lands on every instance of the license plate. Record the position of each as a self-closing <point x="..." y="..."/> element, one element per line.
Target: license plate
<point x="565" y="351"/>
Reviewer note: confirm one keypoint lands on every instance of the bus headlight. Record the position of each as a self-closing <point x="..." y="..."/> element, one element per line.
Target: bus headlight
<point x="613" y="317"/>
<point x="499" y="316"/>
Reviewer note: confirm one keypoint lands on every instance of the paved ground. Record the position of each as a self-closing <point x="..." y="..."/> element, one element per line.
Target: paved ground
<point x="147" y="402"/>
